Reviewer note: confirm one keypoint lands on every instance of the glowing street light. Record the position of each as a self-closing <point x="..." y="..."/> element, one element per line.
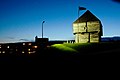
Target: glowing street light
<point x="42" y="28"/>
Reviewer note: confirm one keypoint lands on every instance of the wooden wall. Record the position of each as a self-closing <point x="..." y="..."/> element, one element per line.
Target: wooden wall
<point x="93" y="29"/>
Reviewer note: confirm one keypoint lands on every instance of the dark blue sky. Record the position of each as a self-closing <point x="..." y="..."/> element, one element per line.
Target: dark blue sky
<point x="21" y="20"/>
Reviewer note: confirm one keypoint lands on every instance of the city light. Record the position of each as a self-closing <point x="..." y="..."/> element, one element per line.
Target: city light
<point x="8" y="46"/>
<point x="35" y="47"/>
<point x="16" y="50"/>
<point x="29" y="52"/>
<point x="29" y="44"/>
<point x="23" y="43"/>
<point x="23" y="52"/>
<point x="28" y="49"/>
<point x="3" y="52"/>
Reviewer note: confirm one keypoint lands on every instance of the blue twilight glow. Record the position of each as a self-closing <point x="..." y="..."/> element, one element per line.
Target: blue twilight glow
<point x="21" y="20"/>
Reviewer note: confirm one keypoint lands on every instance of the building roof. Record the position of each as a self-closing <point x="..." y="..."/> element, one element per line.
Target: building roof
<point x="87" y="16"/>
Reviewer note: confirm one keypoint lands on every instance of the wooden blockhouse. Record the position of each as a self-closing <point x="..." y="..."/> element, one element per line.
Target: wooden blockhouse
<point x="87" y="28"/>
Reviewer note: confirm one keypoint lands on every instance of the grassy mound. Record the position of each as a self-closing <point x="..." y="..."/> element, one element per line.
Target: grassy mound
<point x="88" y="48"/>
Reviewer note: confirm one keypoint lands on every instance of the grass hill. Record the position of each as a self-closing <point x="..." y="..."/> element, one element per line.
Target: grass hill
<point x="88" y="48"/>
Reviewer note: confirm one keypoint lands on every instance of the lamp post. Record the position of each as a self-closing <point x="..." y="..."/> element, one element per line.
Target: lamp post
<point x="42" y="28"/>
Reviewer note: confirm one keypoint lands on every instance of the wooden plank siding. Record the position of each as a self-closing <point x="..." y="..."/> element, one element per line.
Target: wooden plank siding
<point x="89" y="30"/>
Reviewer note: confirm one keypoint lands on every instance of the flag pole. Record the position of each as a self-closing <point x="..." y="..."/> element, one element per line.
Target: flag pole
<point x="79" y="8"/>
<point x="78" y="24"/>
<point x="78" y="11"/>
<point x="42" y="28"/>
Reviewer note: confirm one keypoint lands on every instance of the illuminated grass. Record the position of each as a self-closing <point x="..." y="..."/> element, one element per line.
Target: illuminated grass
<point x="68" y="47"/>
<point x="85" y="47"/>
<point x="63" y="47"/>
<point x="77" y="45"/>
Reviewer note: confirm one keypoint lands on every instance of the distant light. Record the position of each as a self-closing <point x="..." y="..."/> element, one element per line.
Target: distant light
<point x="28" y="49"/>
<point x="29" y="43"/>
<point x="48" y="46"/>
<point x="35" y="46"/>
<point x="8" y="46"/>
<point x="16" y="50"/>
<point x="0" y="46"/>
<point x="3" y="52"/>
<point x="23" y="52"/>
<point x="0" y="51"/>
<point x="23" y="43"/>
<point x="33" y="51"/>
<point x="29" y="52"/>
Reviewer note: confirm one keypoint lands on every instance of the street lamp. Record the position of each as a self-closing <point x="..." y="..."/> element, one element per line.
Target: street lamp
<point x="42" y="28"/>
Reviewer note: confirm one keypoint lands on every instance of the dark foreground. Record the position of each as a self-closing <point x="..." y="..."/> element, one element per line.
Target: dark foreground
<point x="112" y="57"/>
<point x="103" y="55"/>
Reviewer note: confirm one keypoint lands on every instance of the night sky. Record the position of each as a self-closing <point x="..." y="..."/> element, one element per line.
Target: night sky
<point x="21" y="20"/>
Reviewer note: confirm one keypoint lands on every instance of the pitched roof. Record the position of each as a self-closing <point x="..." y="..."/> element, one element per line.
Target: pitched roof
<point x="87" y="16"/>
